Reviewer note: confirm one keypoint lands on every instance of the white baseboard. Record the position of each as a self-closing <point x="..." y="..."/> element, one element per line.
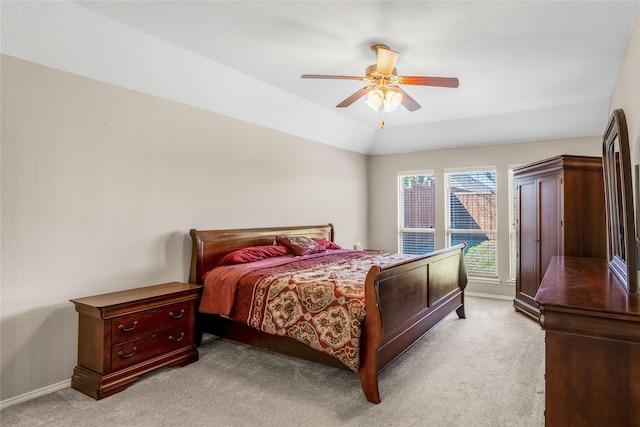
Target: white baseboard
<point x="493" y="296"/>
<point x="35" y="393"/>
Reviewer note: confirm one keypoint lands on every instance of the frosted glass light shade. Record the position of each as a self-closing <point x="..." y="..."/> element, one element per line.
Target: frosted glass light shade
<point x="375" y="99"/>
<point x="392" y="101"/>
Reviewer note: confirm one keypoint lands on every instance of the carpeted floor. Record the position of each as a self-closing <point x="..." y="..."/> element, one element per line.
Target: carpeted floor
<point x="486" y="370"/>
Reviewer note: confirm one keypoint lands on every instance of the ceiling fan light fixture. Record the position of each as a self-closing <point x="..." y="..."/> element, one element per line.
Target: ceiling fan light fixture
<point x="375" y="99"/>
<point x="392" y="100"/>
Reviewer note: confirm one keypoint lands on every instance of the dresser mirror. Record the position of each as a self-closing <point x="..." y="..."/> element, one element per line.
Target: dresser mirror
<point x="618" y="191"/>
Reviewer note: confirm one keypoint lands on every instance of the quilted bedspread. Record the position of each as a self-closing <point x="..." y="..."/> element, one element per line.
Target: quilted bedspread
<point x="317" y="299"/>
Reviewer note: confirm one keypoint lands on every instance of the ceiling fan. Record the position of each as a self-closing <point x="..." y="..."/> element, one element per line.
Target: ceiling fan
<point x="384" y="90"/>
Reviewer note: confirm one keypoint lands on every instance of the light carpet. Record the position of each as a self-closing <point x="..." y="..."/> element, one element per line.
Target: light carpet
<point x="485" y="370"/>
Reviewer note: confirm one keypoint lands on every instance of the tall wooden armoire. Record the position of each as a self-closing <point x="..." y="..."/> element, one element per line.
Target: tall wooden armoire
<point x="561" y="211"/>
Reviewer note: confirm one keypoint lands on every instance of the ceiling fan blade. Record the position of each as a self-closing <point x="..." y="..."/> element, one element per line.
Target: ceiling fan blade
<point x="386" y="60"/>
<point x="408" y="102"/>
<point x="428" y="81"/>
<point x="324" y="76"/>
<point x="353" y="98"/>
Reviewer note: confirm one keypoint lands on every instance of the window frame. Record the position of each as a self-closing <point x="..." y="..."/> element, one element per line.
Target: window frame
<point x="512" y="184"/>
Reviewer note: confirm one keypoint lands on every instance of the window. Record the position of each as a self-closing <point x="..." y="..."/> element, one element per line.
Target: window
<point x="416" y="213"/>
<point x="471" y="218"/>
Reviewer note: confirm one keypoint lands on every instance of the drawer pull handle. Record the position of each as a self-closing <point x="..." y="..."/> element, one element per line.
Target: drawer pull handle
<point x="171" y="338"/>
<point x="176" y="316"/>
<point x="124" y="356"/>
<point x="124" y="328"/>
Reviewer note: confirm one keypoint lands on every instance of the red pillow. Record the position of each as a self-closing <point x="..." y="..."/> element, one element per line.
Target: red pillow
<point x="326" y="244"/>
<point x="300" y="245"/>
<point x="253" y="253"/>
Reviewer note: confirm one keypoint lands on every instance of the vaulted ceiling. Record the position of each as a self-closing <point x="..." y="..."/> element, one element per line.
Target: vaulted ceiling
<point x="528" y="70"/>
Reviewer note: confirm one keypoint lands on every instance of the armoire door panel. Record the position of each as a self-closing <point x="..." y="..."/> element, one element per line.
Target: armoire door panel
<point x="528" y="252"/>
<point x="550" y="219"/>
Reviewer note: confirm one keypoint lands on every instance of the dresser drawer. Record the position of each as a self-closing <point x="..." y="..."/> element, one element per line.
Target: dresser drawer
<point x="149" y="346"/>
<point x="132" y="326"/>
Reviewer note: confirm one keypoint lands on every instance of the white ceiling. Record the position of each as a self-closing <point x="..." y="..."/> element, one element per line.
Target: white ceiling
<point x="530" y="70"/>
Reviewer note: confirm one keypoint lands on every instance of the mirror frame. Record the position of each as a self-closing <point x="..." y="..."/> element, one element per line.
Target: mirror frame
<point x="618" y="191"/>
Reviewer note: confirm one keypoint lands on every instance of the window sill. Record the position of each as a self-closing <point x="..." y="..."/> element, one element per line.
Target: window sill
<point x="484" y="280"/>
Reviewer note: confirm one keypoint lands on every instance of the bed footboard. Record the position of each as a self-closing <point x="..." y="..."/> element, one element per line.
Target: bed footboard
<point x="404" y="302"/>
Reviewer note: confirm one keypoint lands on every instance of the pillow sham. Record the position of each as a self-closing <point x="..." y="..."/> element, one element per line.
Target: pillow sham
<point x="253" y="253"/>
<point x="326" y="244"/>
<point x="300" y="245"/>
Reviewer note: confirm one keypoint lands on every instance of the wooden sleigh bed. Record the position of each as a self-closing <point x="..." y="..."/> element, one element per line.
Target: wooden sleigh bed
<point x="403" y="301"/>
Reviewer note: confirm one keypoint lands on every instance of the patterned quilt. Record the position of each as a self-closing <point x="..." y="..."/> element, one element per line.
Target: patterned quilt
<point x="317" y="299"/>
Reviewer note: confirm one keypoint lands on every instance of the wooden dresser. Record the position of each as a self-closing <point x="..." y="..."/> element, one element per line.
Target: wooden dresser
<point x="122" y="335"/>
<point x="561" y="211"/>
<point x="592" y="327"/>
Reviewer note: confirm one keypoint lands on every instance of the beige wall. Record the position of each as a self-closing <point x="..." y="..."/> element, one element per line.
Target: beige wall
<point x="383" y="171"/>
<point x="626" y="95"/>
<point x="100" y="186"/>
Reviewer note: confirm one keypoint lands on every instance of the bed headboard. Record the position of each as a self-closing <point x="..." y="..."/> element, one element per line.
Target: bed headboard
<point x="209" y="246"/>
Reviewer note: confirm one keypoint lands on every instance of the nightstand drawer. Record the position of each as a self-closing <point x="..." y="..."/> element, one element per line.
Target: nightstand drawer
<point x="131" y="326"/>
<point x="149" y="346"/>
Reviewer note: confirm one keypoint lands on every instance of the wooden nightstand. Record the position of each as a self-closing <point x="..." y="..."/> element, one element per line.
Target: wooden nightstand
<point x="123" y="335"/>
